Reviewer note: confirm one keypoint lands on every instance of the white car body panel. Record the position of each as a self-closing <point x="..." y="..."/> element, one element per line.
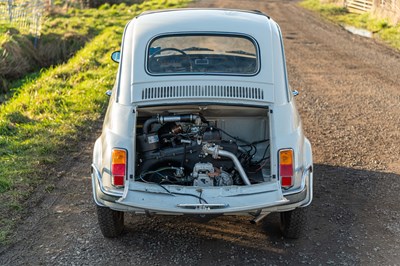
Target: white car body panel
<point x="136" y="92"/>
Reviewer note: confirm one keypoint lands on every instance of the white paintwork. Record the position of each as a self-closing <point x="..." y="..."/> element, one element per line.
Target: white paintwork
<point x="119" y="130"/>
<point x="143" y="28"/>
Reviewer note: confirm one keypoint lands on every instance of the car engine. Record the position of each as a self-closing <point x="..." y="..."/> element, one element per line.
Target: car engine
<point x="189" y="150"/>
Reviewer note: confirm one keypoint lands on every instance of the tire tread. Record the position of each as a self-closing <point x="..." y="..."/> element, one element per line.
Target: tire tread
<point x="294" y="223"/>
<point x="111" y="222"/>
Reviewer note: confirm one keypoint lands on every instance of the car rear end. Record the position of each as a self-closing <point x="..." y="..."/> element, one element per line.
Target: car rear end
<point x="202" y="122"/>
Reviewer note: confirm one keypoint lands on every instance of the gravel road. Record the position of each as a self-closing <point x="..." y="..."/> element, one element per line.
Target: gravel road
<point x="350" y="105"/>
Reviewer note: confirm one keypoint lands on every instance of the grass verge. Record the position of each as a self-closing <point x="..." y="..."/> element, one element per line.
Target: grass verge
<point x="44" y="120"/>
<point x="381" y="28"/>
<point x="63" y="32"/>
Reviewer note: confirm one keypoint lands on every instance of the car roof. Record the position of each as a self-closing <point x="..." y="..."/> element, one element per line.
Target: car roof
<point x="207" y="20"/>
<point x="148" y="12"/>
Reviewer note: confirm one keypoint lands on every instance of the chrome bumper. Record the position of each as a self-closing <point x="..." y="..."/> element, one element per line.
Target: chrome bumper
<point x="306" y="189"/>
<point x="139" y="197"/>
<point x="96" y="178"/>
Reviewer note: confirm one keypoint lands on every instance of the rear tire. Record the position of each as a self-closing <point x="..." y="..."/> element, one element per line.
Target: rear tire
<point x="111" y="222"/>
<point x="293" y="223"/>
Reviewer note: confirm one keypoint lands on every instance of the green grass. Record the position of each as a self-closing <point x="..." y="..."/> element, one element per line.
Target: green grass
<point x="47" y="114"/>
<point x="381" y="28"/>
<point x="62" y="34"/>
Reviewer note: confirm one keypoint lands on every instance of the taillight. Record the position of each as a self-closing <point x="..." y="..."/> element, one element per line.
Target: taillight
<point x="118" y="167"/>
<point x="286" y="167"/>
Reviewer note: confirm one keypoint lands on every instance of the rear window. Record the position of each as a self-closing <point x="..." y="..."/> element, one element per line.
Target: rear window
<point x="202" y="54"/>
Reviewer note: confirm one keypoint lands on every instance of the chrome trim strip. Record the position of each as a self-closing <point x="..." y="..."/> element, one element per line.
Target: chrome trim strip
<point x="102" y="188"/>
<point x="204" y="33"/>
<point x="203" y="206"/>
<point x="98" y="203"/>
<point x="310" y="187"/>
<point x="302" y="185"/>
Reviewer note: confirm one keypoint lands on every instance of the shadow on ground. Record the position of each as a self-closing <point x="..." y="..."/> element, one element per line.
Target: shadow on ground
<point x="354" y="219"/>
<point x="346" y="222"/>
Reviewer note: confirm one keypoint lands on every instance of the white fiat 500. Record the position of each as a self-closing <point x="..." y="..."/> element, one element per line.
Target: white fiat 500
<point x="202" y="122"/>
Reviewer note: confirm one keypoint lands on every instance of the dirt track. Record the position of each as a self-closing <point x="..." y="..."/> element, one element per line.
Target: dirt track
<point x="350" y="104"/>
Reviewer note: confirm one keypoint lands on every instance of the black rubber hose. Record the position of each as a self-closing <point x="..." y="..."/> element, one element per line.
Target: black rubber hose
<point x="147" y="124"/>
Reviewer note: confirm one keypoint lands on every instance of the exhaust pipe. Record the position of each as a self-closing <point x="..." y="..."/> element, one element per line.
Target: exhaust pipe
<point x="259" y="218"/>
<point x="216" y="151"/>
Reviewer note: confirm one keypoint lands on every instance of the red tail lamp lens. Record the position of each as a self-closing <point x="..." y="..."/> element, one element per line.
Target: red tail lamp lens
<point x="118" y="167"/>
<point x="286" y="167"/>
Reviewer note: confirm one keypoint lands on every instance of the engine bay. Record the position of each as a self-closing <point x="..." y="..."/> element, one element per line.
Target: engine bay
<point x="190" y="149"/>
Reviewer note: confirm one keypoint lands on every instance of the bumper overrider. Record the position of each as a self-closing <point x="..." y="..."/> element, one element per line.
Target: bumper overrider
<point x="147" y="198"/>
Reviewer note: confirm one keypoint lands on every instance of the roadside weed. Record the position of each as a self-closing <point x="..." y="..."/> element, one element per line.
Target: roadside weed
<point x="48" y="113"/>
